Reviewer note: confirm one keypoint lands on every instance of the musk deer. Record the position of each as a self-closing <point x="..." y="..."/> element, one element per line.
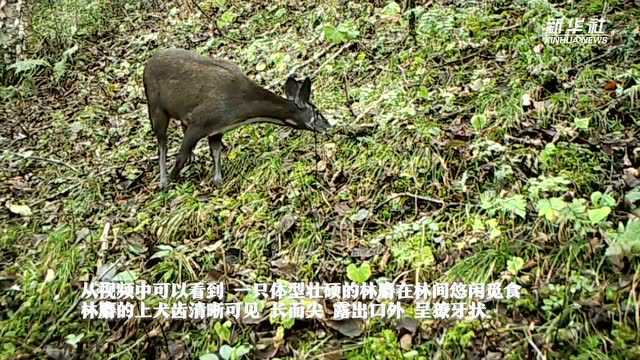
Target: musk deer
<point x="211" y="96"/>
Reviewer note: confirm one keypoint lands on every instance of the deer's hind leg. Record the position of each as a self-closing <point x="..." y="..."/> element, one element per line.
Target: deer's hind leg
<point x="191" y="137"/>
<point x="159" y="122"/>
<point x="215" y="147"/>
<point x="192" y="157"/>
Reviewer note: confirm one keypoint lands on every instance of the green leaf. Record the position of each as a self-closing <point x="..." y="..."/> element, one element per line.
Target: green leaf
<point x="614" y="249"/>
<point x="547" y="184"/>
<point x="359" y="274"/>
<point x="478" y="121"/>
<point x="626" y="240"/>
<point x="633" y="195"/>
<point x="60" y="66"/>
<point x="28" y="65"/>
<point x="361" y="215"/>
<point x="342" y="33"/>
<point x="240" y="350"/>
<point x="577" y="208"/>
<point x="208" y="357"/>
<point x="516" y="205"/>
<point x="514" y="265"/>
<point x="550" y="208"/>
<point x="59" y="69"/>
<point x="600" y="199"/>
<point x="226" y="351"/>
<point x="223" y="332"/>
<point x="226" y="19"/>
<point x="161" y="254"/>
<point x="73" y="339"/>
<point x="332" y="34"/>
<point x="391" y="9"/>
<point x="598" y="215"/>
<point x="607" y="200"/>
<point x="581" y="123"/>
<point x="127" y="276"/>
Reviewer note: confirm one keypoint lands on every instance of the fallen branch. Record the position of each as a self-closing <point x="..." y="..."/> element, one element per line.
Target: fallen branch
<point x="38" y="158"/>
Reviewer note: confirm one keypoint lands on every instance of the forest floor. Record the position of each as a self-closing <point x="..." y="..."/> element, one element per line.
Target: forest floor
<point x="468" y="151"/>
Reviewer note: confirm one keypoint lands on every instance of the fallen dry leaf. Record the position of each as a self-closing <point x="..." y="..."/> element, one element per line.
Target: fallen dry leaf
<point x="405" y="341"/>
<point x="631" y="177"/>
<point x="538" y="48"/>
<point x="611" y="85"/>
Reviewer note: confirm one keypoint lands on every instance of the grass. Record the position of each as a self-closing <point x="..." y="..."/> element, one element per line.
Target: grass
<point x="440" y="118"/>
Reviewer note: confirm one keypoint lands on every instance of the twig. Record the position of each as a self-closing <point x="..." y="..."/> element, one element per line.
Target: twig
<point x="124" y="351"/>
<point x="64" y="316"/>
<point x="296" y="67"/>
<point x="53" y="161"/>
<point x="61" y="192"/>
<point x="339" y="351"/>
<point x="419" y="197"/>
<point x="535" y="142"/>
<point x="213" y="22"/>
<point x="104" y="243"/>
<point x="370" y="107"/>
<point x="504" y="28"/>
<point x="534" y="346"/>
<point x="332" y="57"/>
<point x="347" y="96"/>
<point x="475" y="53"/>
<point x="596" y="58"/>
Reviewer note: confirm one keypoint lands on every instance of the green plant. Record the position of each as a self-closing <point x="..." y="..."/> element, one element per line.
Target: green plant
<point x="573" y="162"/>
<point x="547" y="184"/>
<point x="175" y="264"/>
<point x="60" y="67"/>
<point x="514" y="265"/>
<point x="511" y="205"/>
<point x="461" y="335"/>
<point x="556" y="210"/>
<point x="342" y="33"/>
<point x="625" y="241"/>
<point x="554" y="300"/>
<point x="359" y="274"/>
<point x="234" y="353"/>
<point x="412" y="251"/>
<point x="383" y="346"/>
<point x="61" y="23"/>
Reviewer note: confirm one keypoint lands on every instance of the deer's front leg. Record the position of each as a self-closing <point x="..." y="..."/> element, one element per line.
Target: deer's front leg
<point x="215" y="146"/>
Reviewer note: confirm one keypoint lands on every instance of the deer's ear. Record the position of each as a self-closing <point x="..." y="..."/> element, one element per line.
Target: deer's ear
<point x="291" y="87"/>
<point x="304" y="92"/>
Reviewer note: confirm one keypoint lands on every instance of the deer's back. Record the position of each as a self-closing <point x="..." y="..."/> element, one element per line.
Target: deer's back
<point x="178" y="81"/>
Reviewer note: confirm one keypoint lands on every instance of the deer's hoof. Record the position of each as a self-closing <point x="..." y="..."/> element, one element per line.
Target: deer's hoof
<point x="217" y="181"/>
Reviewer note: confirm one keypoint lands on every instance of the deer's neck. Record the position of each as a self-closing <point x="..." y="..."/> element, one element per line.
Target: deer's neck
<point x="264" y="104"/>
